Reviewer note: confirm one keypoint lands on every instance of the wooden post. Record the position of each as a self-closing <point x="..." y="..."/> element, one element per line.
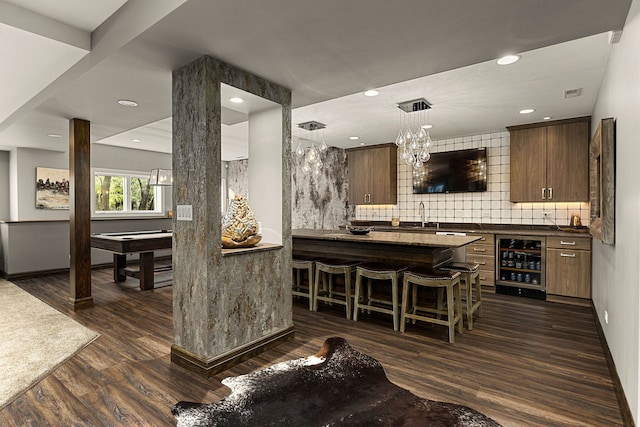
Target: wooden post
<point x="80" y="214"/>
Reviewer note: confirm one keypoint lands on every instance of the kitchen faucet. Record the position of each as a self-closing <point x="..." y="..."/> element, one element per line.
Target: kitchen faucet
<point x="421" y="212"/>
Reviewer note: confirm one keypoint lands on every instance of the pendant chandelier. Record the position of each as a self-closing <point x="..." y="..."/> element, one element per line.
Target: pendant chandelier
<point x="413" y="138"/>
<point x="312" y="155"/>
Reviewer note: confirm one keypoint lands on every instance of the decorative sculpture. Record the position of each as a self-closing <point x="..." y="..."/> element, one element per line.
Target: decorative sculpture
<point x="239" y="225"/>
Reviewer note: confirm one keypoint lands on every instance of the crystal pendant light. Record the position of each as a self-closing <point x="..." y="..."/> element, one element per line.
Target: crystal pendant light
<point x="312" y="156"/>
<point x="414" y="146"/>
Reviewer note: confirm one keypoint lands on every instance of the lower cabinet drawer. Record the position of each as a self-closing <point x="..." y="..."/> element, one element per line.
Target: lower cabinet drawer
<point x="487" y="278"/>
<point x="487" y="262"/>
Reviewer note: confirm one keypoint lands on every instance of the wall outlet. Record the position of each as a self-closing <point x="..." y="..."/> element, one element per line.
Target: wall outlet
<point x="606" y="317"/>
<point x="185" y="213"/>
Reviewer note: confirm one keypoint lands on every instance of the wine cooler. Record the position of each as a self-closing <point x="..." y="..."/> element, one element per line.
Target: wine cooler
<point x="520" y="264"/>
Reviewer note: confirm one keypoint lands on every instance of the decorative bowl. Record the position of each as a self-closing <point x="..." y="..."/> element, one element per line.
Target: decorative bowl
<point x="360" y="230"/>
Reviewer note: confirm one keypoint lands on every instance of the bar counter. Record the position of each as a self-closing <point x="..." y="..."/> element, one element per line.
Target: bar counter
<point x="387" y="247"/>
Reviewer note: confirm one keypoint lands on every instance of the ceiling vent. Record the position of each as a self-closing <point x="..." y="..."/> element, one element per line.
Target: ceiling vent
<point x="414" y="105"/>
<point x="615" y="36"/>
<point x="572" y="93"/>
<point x="312" y="125"/>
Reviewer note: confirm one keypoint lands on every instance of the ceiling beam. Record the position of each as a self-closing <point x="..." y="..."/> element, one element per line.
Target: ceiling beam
<point x="32" y="22"/>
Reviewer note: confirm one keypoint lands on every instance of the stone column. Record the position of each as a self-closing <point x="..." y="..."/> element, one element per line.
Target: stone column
<point x="226" y="307"/>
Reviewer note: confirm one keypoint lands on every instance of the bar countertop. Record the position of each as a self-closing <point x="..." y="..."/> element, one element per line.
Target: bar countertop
<point x="389" y="237"/>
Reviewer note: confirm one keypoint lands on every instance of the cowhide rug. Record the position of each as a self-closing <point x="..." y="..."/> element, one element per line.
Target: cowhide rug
<point x="337" y="386"/>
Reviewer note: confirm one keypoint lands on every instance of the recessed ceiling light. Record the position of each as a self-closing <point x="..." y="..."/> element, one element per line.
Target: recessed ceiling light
<point x="427" y="126"/>
<point x="527" y="111"/>
<point x="236" y="100"/>
<point x="136" y="140"/>
<point x="507" y="60"/>
<point x="54" y="135"/>
<point x="362" y="143"/>
<point x="372" y="92"/>
<point x="546" y="118"/>
<point x="354" y="138"/>
<point x="127" y="103"/>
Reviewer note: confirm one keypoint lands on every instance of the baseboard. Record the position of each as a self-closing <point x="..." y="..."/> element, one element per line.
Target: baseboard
<point x="583" y="302"/>
<point x="36" y="274"/>
<point x="41" y="273"/>
<point x="625" y="410"/>
<point x="208" y="368"/>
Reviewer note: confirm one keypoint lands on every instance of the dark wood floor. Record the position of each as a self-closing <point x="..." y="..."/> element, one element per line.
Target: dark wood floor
<point x="526" y="363"/>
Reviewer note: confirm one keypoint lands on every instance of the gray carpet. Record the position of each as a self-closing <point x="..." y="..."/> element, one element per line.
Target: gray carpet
<point x="34" y="340"/>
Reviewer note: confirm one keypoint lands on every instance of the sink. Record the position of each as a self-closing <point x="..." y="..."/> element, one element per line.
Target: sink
<point x="450" y="233"/>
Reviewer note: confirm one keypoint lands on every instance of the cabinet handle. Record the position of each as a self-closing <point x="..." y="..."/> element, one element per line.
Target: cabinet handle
<point x="543" y="197"/>
<point x="550" y="193"/>
<point x="483" y="277"/>
<point x="562" y="242"/>
<point x="480" y="262"/>
<point x="568" y="255"/>
<point x="479" y="249"/>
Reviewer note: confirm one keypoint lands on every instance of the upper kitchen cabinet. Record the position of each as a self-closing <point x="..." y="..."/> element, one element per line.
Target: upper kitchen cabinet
<point x="373" y="175"/>
<point x="550" y="161"/>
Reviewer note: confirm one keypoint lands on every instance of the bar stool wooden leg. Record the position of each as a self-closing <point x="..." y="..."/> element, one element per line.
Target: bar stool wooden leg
<point x="451" y="314"/>
<point x="310" y="276"/>
<point x="394" y="301"/>
<point x="479" y="295"/>
<point x="405" y="303"/>
<point x="458" y="302"/>
<point x="316" y="286"/>
<point x="472" y="280"/>
<point x="357" y="296"/>
<point x="347" y="291"/>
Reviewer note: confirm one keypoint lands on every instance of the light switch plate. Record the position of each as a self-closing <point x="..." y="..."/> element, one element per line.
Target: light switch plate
<point x="185" y="213"/>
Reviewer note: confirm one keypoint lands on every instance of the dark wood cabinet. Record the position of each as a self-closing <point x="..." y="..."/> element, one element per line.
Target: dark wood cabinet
<point x="550" y="161"/>
<point x="569" y="267"/>
<point x="373" y="175"/>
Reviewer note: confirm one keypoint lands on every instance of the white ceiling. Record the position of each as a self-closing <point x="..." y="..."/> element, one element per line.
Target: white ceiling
<point x="73" y="58"/>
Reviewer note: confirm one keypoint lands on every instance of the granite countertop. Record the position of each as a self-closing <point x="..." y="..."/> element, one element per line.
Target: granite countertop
<point x="388" y="237"/>
<point x="510" y="229"/>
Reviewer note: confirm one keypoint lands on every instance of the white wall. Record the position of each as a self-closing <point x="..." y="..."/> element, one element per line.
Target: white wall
<point x="616" y="275"/>
<point x="38" y="240"/>
<point x="265" y="172"/>
<point x="24" y="161"/>
<point x="4" y="185"/>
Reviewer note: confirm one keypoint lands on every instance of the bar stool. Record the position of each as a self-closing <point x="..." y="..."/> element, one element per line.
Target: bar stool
<point x="438" y="280"/>
<point x="373" y="271"/>
<point x="298" y="266"/>
<point x="331" y="267"/>
<point x="470" y="274"/>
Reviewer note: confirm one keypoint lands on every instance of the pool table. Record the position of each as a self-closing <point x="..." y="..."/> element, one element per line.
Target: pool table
<point x="142" y="242"/>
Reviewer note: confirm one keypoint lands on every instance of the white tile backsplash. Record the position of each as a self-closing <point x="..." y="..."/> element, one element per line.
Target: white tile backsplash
<point x="490" y="207"/>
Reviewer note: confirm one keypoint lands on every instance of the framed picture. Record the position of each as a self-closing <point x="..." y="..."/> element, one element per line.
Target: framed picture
<point x="602" y="182"/>
<point x="52" y="188"/>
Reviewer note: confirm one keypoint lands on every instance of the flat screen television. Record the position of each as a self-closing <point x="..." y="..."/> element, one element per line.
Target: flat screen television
<point x="452" y="172"/>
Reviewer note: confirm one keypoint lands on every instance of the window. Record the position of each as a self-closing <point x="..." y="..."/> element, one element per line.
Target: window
<point x="125" y="193"/>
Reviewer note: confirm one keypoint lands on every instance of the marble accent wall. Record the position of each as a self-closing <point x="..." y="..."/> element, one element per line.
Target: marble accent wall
<point x="223" y="305"/>
<point x="238" y="177"/>
<point x="320" y="201"/>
